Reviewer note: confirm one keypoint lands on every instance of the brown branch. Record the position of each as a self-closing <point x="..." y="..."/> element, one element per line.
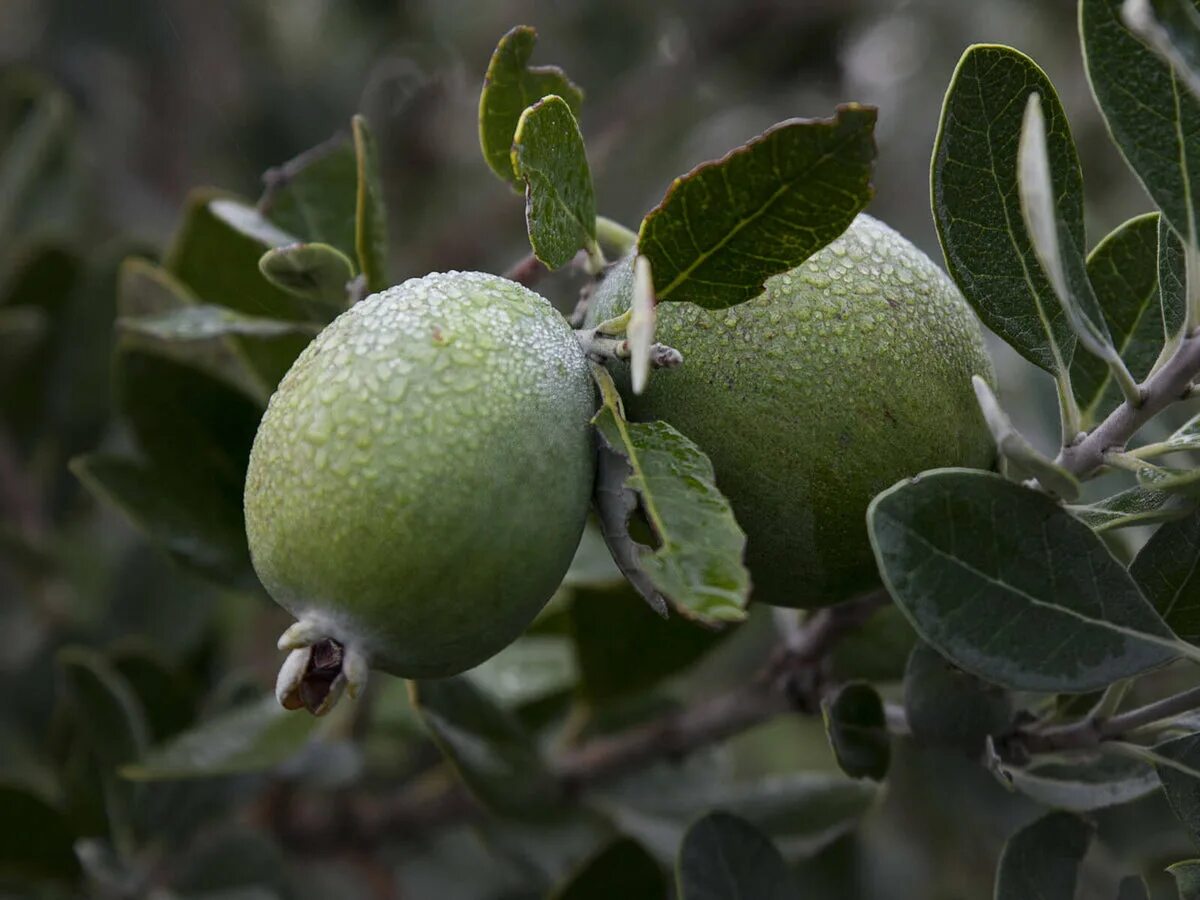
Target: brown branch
<point x="527" y="271"/>
<point x="793" y="680"/>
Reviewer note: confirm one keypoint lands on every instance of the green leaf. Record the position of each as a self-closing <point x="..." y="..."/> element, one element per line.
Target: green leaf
<point x="196" y="527"/>
<point x="318" y="273"/>
<point x="622" y="869"/>
<point x="103" y="706"/>
<point x="1187" y="436"/>
<point x="1042" y="860"/>
<point x="1019" y="457"/>
<point x="493" y="755"/>
<point x="1123" y="269"/>
<point x="1151" y="114"/>
<point x="1172" y="279"/>
<point x="1132" y="887"/>
<point x="976" y="203"/>
<point x="1052" y="237"/>
<point x="1009" y="586"/>
<point x="947" y="707"/>
<point x="215" y="255"/>
<point x="1187" y="878"/>
<point x="624" y="648"/>
<point x="857" y="730"/>
<point x="1172" y="29"/>
<point x="370" y="217"/>
<point x="531" y="668"/>
<point x="314" y="196"/>
<point x="35" y="128"/>
<point x="560" y="206"/>
<point x="146" y="290"/>
<point x="254" y="737"/>
<point x="36" y="841"/>
<point x="1180" y="776"/>
<point x="728" y="225"/>
<point x="510" y="86"/>
<point x="1083" y="785"/>
<point x="1167" y="569"/>
<point x="1169" y="480"/>
<point x="696" y="564"/>
<point x="804" y="811"/>
<point x="1133" y="506"/>
<point x="168" y="699"/>
<point x="724" y="857"/>
<point x="202" y="322"/>
<point x="878" y="650"/>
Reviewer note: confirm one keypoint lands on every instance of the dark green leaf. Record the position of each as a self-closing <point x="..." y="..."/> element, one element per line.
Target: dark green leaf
<point x="857" y="730"/>
<point x="1123" y="269"/>
<point x="876" y="651"/>
<point x="1083" y="785"/>
<point x="622" y="869"/>
<point x="103" y="706"/>
<point x="35" y="839"/>
<point x="1008" y="585"/>
<point x="1167" y="569"/>
<point x="1042" y="859"/>
<point x="1181" y="781"/>
<point x="494" y="756"/>
<point x="215" y="255"/>
<point x="560" y="206"/>
<point x="370" y="230"/>
<point x="1132" y="887"/>
<point x="34" y="129"/>
<point x="236" y="863"/>
<point x="1172" y="279"/>
<point x="697" y="564"/>
<point x="250" y="738"/>
<point x="1134" y="506"/>
<point x="804" y="811"/>
<point x="976" y="205"/>
<point x="196" y="527"/>
<point x="1187" y="878"/>
<point x="623" y="647"/>
<point x="318" y="273"/>
<point x="728" y="225"/>
<point x="948" y="707"/>
<point x="314" y="196"/>
<point x="510" y="86"/>
<point x="167" y="698"/>
<point x="1172" y="29"/>
<point x="724" y="857"/>
<point x="1151" y="114"/>
<point x="203" y="322"/>
<point x="531" y="668"/>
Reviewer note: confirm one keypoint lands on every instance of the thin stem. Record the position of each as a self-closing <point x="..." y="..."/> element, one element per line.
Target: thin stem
<point x="1068" y="409"/>
<point x="1151" y="451"/>
<point x="615" y="237"/>
<point x="1094" y="730"/>
<point x="1125" y="380"/>
<point x="527" y="271"/>
<point x="1127" y="462"/>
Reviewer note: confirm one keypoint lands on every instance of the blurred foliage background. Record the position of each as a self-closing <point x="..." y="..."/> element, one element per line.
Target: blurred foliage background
<point x="107" y="648"/>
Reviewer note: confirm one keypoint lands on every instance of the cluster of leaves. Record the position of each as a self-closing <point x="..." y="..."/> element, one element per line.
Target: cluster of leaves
<point x="152" y="746"/>
<point x="1032" y="631"/>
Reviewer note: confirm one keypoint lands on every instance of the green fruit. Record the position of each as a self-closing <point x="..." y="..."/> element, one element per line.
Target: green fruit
<point x="421" y="478"/>
<point x="847" y="374"/>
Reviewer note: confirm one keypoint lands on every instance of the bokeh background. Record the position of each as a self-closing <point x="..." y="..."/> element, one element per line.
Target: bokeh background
<point x="173" y="94"/>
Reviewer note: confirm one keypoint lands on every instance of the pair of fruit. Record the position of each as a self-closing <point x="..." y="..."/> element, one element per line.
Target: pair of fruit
<point x="422" y="476"/>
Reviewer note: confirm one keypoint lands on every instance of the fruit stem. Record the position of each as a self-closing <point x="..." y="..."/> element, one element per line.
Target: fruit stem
<point x="615" y="237"/>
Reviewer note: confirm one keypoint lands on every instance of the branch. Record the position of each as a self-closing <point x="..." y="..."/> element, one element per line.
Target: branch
<point x="1092" y="731"/>
<point x="793" y="680"/>
<point x="1170" y="383"/>
<point x="527" y="271"/>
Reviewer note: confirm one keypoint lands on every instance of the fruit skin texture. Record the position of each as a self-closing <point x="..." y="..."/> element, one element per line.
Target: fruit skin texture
<point x="421" y="478"/>
<point x="848" y="373"/>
